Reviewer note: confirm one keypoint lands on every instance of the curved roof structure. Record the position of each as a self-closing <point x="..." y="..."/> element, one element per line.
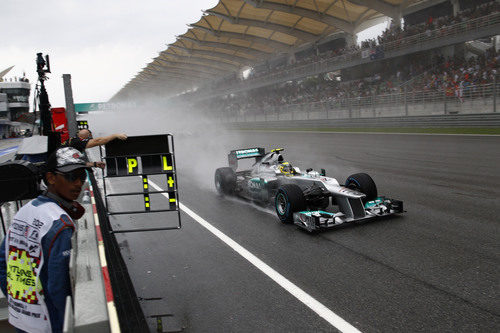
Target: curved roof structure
<point x="239" y="33"/>
<point x="5" y="71"/>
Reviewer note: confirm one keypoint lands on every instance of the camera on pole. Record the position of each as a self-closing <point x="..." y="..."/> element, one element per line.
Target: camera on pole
<point x="20" y="179"/>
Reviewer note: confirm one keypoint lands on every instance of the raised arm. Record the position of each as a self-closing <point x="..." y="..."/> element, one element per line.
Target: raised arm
<point x="105" y="139"/>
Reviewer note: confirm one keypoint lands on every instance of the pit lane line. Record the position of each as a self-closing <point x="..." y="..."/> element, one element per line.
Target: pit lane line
<point x="327" y="314"/>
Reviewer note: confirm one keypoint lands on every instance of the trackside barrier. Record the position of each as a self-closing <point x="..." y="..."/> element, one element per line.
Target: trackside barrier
<point x="471" y="120"/>
<point x="475" y="99"/>
<point x="130" y="315"/>
<point x="91" y="309"/>
<point x="99" y="276"/>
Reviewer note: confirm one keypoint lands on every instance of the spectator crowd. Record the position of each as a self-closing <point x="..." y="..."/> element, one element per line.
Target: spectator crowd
<point x="429" y="72"/>
<point x="452" y="76"/>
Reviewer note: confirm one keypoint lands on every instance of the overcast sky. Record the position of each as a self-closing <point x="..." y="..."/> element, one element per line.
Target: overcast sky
<point x="101" y="43"/>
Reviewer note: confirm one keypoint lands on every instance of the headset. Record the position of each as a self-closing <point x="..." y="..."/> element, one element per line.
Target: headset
<point x="73" y="208"/>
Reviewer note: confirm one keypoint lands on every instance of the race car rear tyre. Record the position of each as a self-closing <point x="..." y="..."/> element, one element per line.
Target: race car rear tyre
<point x="363" y="183"/>
<point x="225" y="181"/>
<point x="289" y="199"/>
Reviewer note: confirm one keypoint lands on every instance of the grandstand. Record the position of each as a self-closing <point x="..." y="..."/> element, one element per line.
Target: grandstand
<point x="273" y="60"/>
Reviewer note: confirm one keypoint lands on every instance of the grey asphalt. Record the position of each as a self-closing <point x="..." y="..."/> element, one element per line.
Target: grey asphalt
<point x="433" y="269"/>
<point x="5" y="144"/>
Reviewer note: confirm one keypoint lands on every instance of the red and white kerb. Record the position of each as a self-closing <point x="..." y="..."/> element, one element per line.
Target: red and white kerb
<point x="113" y="317"/>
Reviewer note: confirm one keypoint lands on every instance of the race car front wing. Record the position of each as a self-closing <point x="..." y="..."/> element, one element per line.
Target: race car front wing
<point x="315" y="220"/>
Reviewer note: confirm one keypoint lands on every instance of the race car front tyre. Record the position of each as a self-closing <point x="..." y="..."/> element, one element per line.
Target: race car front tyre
<point x="289" y="199"/>
<point x="363" y="183"/>
<point x="225" y="181"/>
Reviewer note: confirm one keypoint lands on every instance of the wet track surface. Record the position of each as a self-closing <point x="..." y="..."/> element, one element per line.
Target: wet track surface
<point x="433" y="269"/>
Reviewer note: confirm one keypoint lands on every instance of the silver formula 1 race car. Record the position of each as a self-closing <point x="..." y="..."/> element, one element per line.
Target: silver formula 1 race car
<point x="309" y="199"/>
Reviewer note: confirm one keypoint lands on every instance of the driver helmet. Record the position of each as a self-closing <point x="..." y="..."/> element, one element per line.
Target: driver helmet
<point x="286" y="168"/>
<point x="314" y="174"/>
<point x="273" y="159"/>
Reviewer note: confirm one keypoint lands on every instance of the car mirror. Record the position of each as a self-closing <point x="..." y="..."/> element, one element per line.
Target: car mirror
<point x="323" y="172"/>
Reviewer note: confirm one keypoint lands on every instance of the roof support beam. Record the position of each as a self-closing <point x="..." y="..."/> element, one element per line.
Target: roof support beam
<point x="361" y="17"/>
<point x="329" y="6"/>
<point x="201" y="68"/>
<point x="227" y="46"/>
<point x="184" y="72"/>
<point x="148" y="72"/>
<point x="311" y="14"/>
<point x="380" y="6"/>
<point x="419" y="6"/>
<point x="158" y="70"/>
<point x="178" y="77"/>
<point x="233" y="58"/>
<point x="303" y="35"/>
<point x="271" y="43"/>
<point x="157" y="82"/>
<point x="211" y="62"/>
<point x="219" y="65"/>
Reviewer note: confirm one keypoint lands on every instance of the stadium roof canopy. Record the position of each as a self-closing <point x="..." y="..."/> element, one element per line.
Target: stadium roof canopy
<point x="239" y="33"/>
<point x="5" y="71"/>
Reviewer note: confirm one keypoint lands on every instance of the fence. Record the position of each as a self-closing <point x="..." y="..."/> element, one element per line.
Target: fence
<point x="472" y="100"/>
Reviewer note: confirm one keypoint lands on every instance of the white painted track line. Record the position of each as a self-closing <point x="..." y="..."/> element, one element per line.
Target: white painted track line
<point x="327" y="314"/>
<point x="8" y="150"/>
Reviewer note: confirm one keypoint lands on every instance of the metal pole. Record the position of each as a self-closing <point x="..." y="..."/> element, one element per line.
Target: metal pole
<point x="3" y="222"/>
<point x="495" y="93"/>
<point x="406" y="101"/>
<point x="349" y="105"/>
<point x="70" y="106"/>
<point x="373" y="104"/>
<point x="445" y="112"/>
<point x="44" y="107"/>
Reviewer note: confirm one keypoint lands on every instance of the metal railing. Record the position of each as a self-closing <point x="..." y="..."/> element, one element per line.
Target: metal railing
<point x="7" y="212"/>
<point x="347" y="59"/>
<point x="473" y="99"/>
<point x="86" y="309"/>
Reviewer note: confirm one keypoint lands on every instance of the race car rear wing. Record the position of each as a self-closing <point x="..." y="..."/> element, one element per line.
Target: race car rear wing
<point x="239" y="154"/>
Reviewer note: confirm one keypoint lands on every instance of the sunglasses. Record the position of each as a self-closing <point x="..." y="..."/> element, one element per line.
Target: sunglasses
<point x="74" y="175"/>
